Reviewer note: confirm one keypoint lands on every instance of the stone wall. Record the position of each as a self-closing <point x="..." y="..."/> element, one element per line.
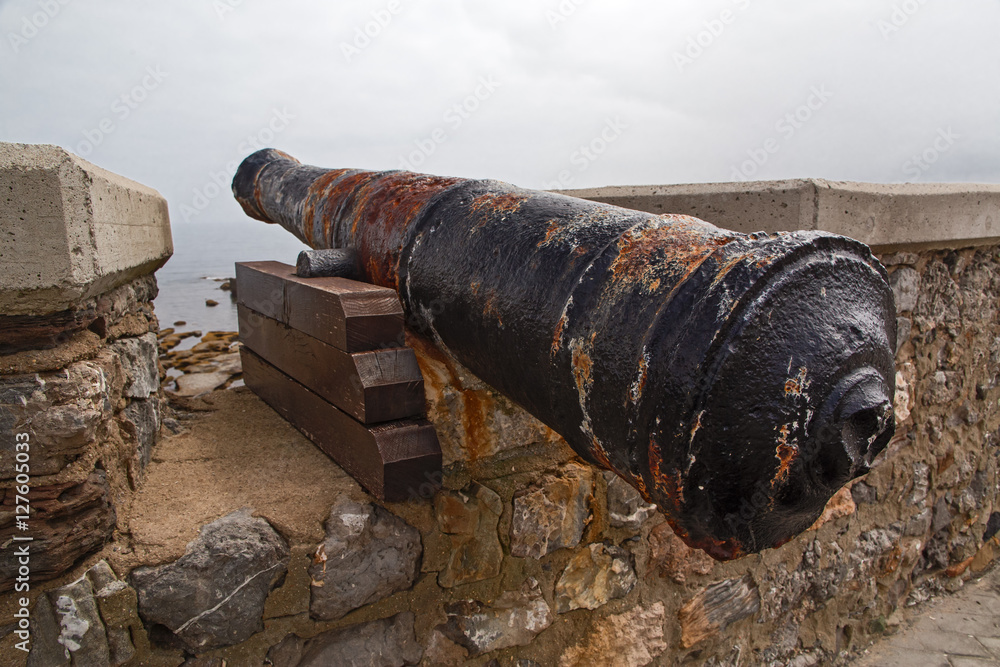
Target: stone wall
<point x="528" y="556"/>
<point x="80" y="399"/>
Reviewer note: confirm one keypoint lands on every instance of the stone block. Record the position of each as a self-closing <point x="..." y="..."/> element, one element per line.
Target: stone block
<point x="470" y="519"/>
<point x="369" y="553"/>
<point x="72" y="230"/>
<point x="918" y="215"/>
<point x="595" y="576"/>
<point x="141" y="419"/>
<point x="514" y="619"/>
<point x="138" y="357"/>
<point x="91" y="621"/>
<point x="214" y="594"/>
<point x="61" y="412"/>
<point x="68" y="628"/>
<point x="552" y="513"/>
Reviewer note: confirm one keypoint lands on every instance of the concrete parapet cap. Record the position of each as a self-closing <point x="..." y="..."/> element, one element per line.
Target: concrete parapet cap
<point x="71" y="230"/>
<point x="885" y="216"/>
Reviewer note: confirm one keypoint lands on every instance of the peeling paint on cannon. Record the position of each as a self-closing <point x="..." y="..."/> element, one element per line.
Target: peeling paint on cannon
<point x="737" y="381"/>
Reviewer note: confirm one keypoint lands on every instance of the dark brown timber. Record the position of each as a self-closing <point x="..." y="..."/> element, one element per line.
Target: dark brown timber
<point x="374" y="386"/>
<point x="394" y="461"/>
<point x="352" y="316"/>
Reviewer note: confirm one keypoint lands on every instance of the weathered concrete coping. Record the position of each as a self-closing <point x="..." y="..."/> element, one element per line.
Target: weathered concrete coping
<point x="72" y="230"/>
<point x="886" y="217"/>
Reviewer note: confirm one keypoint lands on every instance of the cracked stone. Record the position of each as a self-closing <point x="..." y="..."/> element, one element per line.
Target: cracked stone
<point x="385" y="643"/>
<point x="552" y="513"/>
<point x="470" y="519"/>
<point x="514" y="619"/>
<point x="369" y="554"/>
<point x="214" y="594"/>
<point x="594" y="577"/>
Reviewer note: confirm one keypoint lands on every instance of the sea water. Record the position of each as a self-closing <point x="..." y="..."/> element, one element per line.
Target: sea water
<point x="204" y="255"/>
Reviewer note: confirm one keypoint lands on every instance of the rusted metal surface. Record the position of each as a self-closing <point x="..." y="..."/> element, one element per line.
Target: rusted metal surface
<point x="738" y="381"/>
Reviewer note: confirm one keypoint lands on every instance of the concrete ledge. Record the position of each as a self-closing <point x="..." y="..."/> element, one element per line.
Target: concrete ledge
<point x="72" y="230"/>
<point x="886" y="217"/>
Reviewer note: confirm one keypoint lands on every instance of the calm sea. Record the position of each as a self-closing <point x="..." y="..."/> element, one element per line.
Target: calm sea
<point x="204" y="253"/>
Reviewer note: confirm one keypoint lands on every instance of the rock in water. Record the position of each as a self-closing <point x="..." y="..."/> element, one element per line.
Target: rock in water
<point x="214" y="594"/>
<point x="196" y="384"/>
<point x="369" y="553"/>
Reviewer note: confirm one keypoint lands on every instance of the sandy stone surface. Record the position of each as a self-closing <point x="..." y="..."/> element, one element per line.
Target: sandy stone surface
<point x="243" y="455"/>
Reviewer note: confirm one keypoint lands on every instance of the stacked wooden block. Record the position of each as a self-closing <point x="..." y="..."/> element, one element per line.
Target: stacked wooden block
<point x="328" y="354"/>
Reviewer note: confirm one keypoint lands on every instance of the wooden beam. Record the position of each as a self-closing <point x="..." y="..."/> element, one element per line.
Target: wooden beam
<point x="350" y="315"/>
<point x="376" y="386"/>
<point x="394" y="461"/>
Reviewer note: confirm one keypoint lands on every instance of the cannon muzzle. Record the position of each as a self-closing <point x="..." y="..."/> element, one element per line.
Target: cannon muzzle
<point x="737" y="381"/>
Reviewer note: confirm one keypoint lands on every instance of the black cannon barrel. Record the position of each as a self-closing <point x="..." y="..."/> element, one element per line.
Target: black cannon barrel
<point x="737" y="381"/>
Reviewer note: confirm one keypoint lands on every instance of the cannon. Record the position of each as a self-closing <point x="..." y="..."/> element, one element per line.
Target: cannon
<point x="737" y="381"/>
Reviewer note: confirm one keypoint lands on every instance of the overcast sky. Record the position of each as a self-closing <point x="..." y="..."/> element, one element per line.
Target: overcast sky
<point x="576" y="93"/>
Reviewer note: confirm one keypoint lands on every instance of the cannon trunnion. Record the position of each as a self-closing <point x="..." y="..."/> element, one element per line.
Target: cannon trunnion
<point x="737" y="381"/>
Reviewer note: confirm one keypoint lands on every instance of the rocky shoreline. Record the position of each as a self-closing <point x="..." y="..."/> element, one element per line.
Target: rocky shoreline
<point x="213" y="362"/>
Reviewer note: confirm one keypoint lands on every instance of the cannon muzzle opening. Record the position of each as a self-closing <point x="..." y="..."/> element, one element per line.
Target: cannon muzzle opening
<point x="737" y="381"/>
